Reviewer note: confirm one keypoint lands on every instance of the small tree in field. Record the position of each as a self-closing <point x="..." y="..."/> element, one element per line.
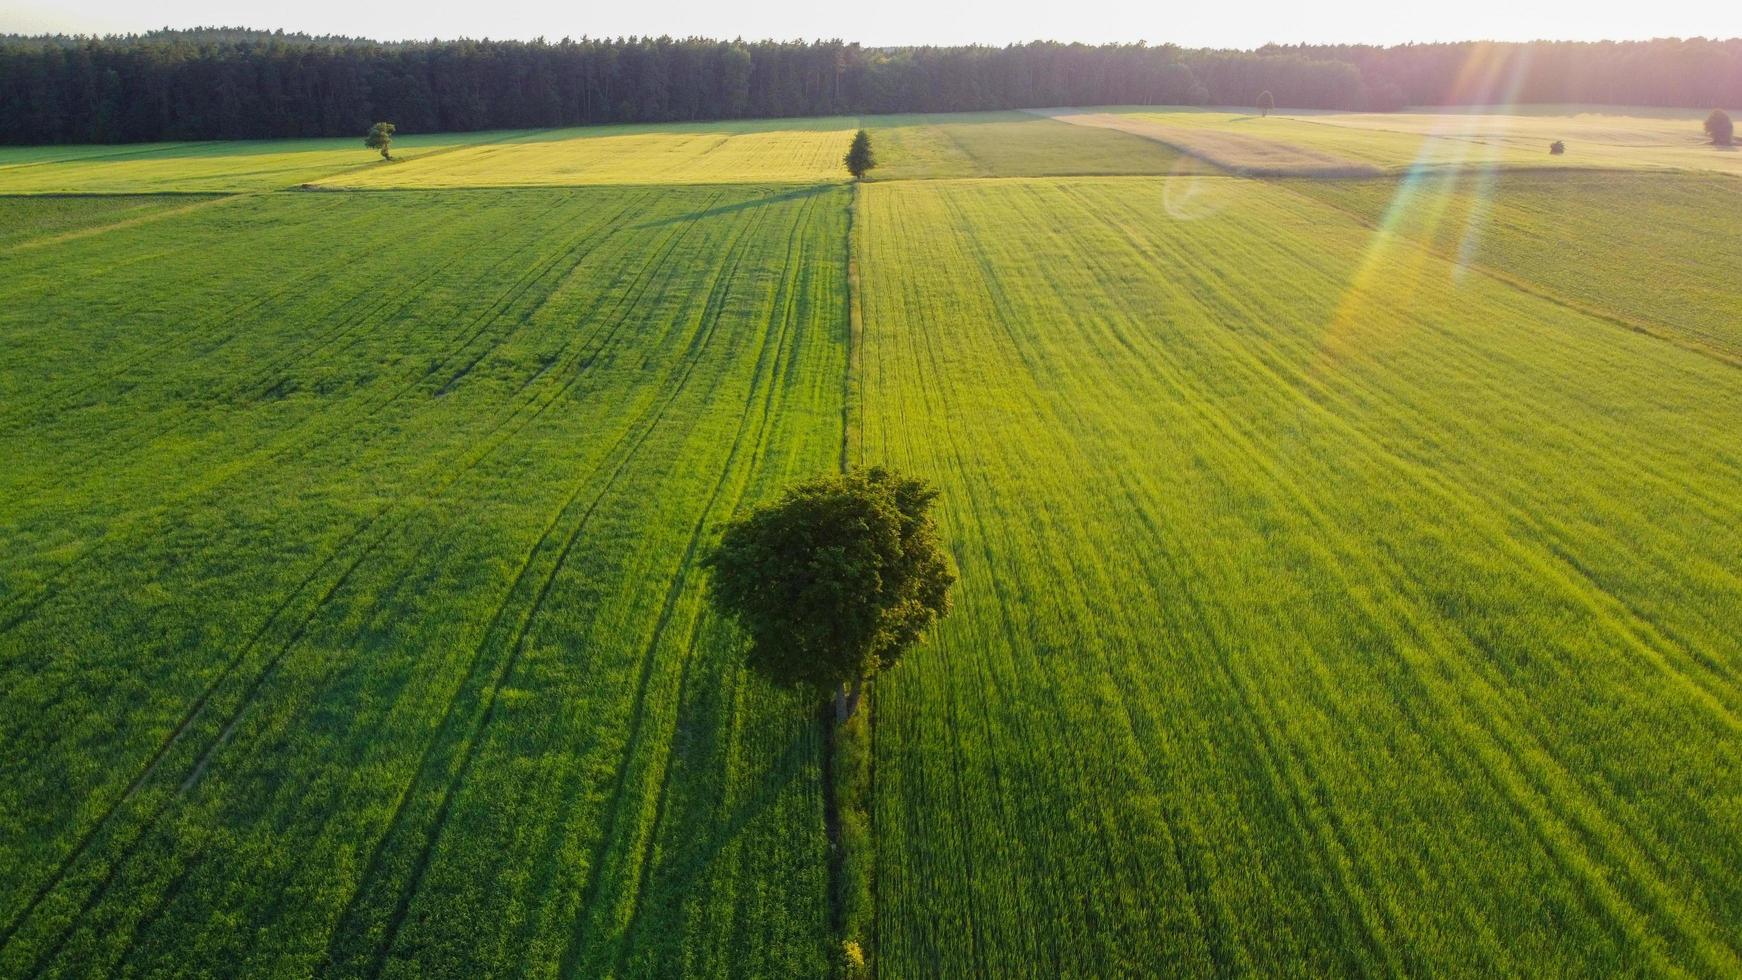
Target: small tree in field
<point x="380" y="138"/>
<point x="1557" y="148"/>
<point x="859" y="156"/>
<point x="1266" y="103"/>
<point x="1720" y="129"/>
<point x="834" y="581"/>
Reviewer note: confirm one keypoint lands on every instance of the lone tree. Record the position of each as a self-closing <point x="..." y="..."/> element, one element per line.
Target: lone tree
<point x="859" y="156"/>
<point x="834" y="581"/>
<point x="1557" y="148"/>
<point x="1719" y="128"/>
<point x="1266" y="103"/>
<point x="380" y="138"/>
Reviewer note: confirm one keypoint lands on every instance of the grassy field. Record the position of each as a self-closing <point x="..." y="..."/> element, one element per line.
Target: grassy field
<point x="43" y="219"/>
<point x="299" y="561"/>
<point x="1321" y="612"/>
<point x="1348" y="578"/>
<point x="1350" y="144"/>
<point x="1012" y="144"/>
<point x="1567" y="234"/>
<point x="205" y="167"/>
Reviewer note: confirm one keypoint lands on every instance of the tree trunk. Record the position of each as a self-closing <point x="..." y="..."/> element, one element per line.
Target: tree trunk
<point x="847" y="700"/>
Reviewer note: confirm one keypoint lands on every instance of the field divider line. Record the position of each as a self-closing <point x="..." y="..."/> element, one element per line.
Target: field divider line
<point x="851" y="384"/>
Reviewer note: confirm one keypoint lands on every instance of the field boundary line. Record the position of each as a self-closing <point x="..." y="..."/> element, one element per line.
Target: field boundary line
<point x="850" y="419"/>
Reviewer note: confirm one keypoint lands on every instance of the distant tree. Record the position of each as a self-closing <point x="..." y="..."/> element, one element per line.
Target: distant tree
<point x="834" y="581"/>
<point x="1557" y="148"/>
<point x="380" y="138"/>
<point x="859" y="156"/>
<point x="1266" y="103"/>
<point x="1719" y="128"/>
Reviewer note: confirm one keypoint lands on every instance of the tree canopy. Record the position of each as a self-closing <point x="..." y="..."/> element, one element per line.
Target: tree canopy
<point x="859" y="157"/>
<point x="239" y="84"/>
<point x="835" y="580"/>
<point x="380" y="137"/>
<point x="1719" y="127"/>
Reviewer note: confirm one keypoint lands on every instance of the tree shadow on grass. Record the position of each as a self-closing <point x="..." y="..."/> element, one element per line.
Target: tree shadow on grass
<point x="796" y="193"/>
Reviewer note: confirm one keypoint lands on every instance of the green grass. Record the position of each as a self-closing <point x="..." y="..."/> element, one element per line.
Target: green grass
<point x="1322" y="612"/>
<point x="154" y="168"/>
<point x="350" y="608"/>
<point x="1011" y="144"/>
<point x="36" y="219"/>
<point x="1349" y="577"/>
<point x="1647" y="250"/>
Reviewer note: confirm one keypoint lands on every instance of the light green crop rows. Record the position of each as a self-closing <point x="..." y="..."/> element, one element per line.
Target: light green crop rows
<point x="1322" y="611"/>
<point x="1651" y="251"/>
<point x="349" y="616"/>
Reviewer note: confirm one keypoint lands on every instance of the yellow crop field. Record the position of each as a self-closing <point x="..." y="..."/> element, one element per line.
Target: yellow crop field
<point x="777" y="151"/>
<point x="1352" y="144"/>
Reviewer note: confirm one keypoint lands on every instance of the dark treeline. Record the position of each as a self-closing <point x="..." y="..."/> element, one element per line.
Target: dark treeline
<point x="238" y="84"/>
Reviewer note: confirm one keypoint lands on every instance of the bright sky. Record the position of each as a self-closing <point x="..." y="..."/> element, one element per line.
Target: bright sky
<point x="1223" y="23"/>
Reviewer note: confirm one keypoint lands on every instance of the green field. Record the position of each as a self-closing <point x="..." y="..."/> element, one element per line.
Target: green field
<point x="295" y="566"/>
<point x="1348" y="566"/>
<point x="197" y="167"/>
<point x="1312" y="620"/>
<point x="1013" y="144"/>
